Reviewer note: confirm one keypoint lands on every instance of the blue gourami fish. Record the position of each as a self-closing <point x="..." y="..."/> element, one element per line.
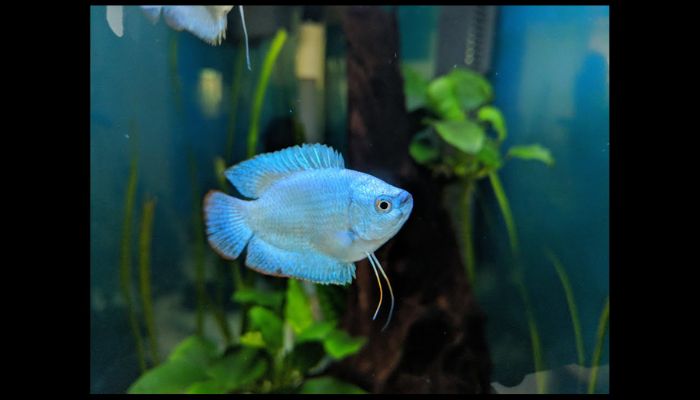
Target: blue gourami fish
<point x="206" y="22"/>
<point x="308" y="218"/>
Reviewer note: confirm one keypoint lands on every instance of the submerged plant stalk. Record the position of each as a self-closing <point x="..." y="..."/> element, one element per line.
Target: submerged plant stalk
<point x="198" y="247"/>
<point x="265" y="73"/>
<point x="145" y="277"/>
<point x="535" y="341"/>
<point x="467" y="233"/>
<point x="519" y="280"/>
<point x="125" y="262"/>
<point x="505" y="210"/>
<point x="233" y="113"/>
<point x="598" y="352"/>
<point x="172" y="66"/>
<point x="571" y="301"/>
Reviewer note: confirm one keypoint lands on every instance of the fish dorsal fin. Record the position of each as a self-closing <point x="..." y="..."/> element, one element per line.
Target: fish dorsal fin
<point x="253" y="176"/>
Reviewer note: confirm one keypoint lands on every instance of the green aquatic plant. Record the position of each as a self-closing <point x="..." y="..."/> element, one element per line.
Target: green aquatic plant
<point x="203" y="300"/>
<point x="598" y="352"/>
<point x="145" y="277"/>
<point x="462" y="138"/>
<point x="284" y="350"/>
<point x="233" y="112"/>
<point x="125" y="280"/>
<point x="571" y="301"/>
<point x="261" y="88"/>
<point x="175" y="81"/>
<point x="198" y="227"/>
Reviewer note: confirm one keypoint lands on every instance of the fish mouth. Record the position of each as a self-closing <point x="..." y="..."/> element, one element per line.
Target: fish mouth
<point x="406" y="203"/>
<point x="405" y="198"/>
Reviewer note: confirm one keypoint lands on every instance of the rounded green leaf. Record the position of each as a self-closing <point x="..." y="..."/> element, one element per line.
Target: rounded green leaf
<point x="471" y="89"/>
<point x="489" y="155"/>
<point x="206" y="387"/>
<point x="329" y="385"/>
<point x="464" y="135"/>
<point x="423" y="153"/>
<point x="265" y="298"/>
<point x="339" y="344"/>
<point x="316" y="332"/>
<point x="493" y="116"/>
<point x="237" y="370"/>
<point x="169" y="377"/>
<point x="253" y="339"/>
<point x="195" y="350"/>
<point x="269" y="325"/>
<point x="443" y="100"/>
<point x="532" y="152"/>
<point x="298" y="308"/>
<point x="415" y="87"/>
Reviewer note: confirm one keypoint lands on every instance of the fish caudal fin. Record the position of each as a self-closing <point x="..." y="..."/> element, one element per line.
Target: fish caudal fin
<point x="227" y="230"/>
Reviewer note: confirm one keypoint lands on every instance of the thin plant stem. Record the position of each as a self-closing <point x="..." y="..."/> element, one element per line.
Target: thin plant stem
<point x="198" y="248"/>
<point x="261" y="88"/>
<point x="519" y="279"/>
<point x="467" y="231"/>
<point x="125" y="262"/>
<point x="172" y="66"/>
<point x="535" y="340"/>
<point x="233" y="113"/>
<point x="598" y="352"/>
<point x="505" y="210"/>
<point x="571" y="301"/>
<point x="145" y="277"/>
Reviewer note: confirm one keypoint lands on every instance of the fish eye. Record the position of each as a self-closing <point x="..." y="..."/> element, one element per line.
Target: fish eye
<point x="382" y="205"/>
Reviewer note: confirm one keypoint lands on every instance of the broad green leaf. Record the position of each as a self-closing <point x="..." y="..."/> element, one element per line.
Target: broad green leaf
<point x="184" y="367"/>
<point x="298" y="309"/>
<point x="339" y="344"/>
<point x="267" y="298"/>
<point x="329" y="385"/>
<point x="305" y="356"/>
<point x="493" y="116"/>
<point x="489" y="155"/>
<point x="471" y="89"/>
<point x="231" y="373"/>
<point x="464" y="135"/>
<point x="443" y="100"/>
<point x="316" y="332"/>
<point x="415" y="87"/>
<point x="238" y="369"/>
<point x="253" y="339"/>
<point x="269" y="325"/>
<point x="423" y="152"/>
<point x="206" y="387"/>
<point x="169" y="377"/>
<point x="331" y="298"/>
<point x="194" y="350"/>
<point x="532" y="152"/>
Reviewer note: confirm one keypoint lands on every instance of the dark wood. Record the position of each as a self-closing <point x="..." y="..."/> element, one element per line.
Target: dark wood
<point x="436" y="340"/>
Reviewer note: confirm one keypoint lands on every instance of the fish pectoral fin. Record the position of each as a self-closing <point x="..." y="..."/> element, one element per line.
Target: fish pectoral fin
<point x="307" y="265"/>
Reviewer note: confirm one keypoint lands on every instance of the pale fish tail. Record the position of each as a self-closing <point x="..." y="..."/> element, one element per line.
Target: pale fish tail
<point x="227" y="229"/>
<point x="376" y="264"/>
<point x="245" y="36"/>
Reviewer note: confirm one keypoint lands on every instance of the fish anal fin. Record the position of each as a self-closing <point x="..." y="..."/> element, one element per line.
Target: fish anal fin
<point x="305" y="265"/>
